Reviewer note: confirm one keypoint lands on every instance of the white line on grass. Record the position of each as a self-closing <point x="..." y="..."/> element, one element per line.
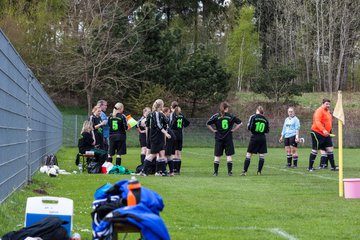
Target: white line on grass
<point x="302" y="173"/>
<point x="276" y="231"/>
<point x="276" y="168"/>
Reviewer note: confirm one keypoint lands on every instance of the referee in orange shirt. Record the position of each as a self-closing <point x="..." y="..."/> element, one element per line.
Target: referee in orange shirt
<point x="320" y="135"/>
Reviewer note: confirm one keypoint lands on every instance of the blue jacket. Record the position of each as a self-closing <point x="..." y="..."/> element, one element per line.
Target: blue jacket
<point x="151" y="225"/>
<point x="144" y="215"/>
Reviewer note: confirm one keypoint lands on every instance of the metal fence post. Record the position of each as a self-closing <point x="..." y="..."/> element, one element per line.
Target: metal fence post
<point x="76" y="130"/>
<point x="28" y="127"/>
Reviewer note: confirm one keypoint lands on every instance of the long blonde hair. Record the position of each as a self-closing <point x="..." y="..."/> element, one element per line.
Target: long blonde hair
<point x="158" y="105"/>
<point x="87" y="126"/>
<point x="118" y="108"/>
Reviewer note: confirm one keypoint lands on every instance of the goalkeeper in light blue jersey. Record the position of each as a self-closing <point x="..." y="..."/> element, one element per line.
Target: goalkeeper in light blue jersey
<point x="290" y="137"/>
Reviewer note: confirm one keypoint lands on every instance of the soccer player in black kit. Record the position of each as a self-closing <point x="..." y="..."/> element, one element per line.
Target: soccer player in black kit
<point x="177" y="124"/>
<point x="258" y="125"/>
<point x="224" y="123"/>
<point x="118" y="126"/>
<point x="142" y="134"/>
<point x="156" y="122"/>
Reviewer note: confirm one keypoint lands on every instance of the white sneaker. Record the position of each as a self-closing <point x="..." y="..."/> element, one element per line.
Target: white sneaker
<point x="158" y="174"/>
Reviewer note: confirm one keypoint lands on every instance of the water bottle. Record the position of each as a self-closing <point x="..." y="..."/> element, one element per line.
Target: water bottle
<point x="75" y="236"/>
<point x="134" y="194"/>
<point x="80" y="167"/>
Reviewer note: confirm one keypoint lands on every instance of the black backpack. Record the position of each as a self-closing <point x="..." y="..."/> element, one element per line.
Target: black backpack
<point x="50" y="160"/>
<point x="49" y="228"/>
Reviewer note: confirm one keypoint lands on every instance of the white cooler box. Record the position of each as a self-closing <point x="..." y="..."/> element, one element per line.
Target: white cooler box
<point x="38" y="208"/>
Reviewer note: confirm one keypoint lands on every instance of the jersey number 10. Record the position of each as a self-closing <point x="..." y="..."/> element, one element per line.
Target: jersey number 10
<point x="259" y="127"/>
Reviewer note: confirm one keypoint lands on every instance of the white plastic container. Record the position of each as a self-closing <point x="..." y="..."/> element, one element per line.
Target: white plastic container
<point x="38" y="208"/>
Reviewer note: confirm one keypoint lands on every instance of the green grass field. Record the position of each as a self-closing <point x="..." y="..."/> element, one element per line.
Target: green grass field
<point x="280" y="204"/>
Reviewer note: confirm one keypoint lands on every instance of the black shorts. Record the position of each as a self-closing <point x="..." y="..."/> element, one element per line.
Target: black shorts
<point x="157" y="142"/>
<point x="117" y="144"/>
<point x="169" y="147"/>
<point x="257" y="144"/>
<point x="290" y="142"/>
<point x="226" y="144"/>
<point x="319" y="141"/>
<point x="148" y="143"/>
<point x="117" y="147"/>
<point x="142" y="140"/>
<point x="178" y="144"/>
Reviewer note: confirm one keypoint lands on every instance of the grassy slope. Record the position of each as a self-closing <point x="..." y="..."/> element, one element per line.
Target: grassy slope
<point x="291" y="202"/>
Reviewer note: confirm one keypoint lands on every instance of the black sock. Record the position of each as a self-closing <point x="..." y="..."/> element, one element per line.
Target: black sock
<point x="216" y="167"/>
<point x="163" y="165"/>
<point x="176" y="164"/>
<point x="312" y="160"/>
<point x="142" y="158"/>
<point x="179" y="166"/>
<point x="147" y="164"/>
<point x="229" y="166"/>
<point x="330" y="156"/>
<point x="171" y="165"/>
<point x="158" y="166"/>
<point x="118" y="161"/>
<point x="109" y="159"/>
<point x="261" y="164"/>
<point x="246" y="164"/>
<point x="295" y="159"/>
<point x="327" y="162"/>
<point x="289" y="159"/>
<point x="323" y="160"/>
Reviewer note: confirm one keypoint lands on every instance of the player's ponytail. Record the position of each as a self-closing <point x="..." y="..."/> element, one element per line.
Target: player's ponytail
<point x="175" y="107"/>
<point x="223" y="107"/>
<point x="158" y="105"/>
<point x="260" y="109"/>
<point x="118" y="106"/>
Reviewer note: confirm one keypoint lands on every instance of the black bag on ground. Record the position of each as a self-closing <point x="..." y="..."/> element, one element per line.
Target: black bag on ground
<point x="50" y="160"/>
<point x="93" y="166"/>
<point x="48" y="228"/>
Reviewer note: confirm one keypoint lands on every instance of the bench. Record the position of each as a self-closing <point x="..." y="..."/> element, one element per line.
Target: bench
<point x="123" y="228"/>
<point x="84" y="156"/>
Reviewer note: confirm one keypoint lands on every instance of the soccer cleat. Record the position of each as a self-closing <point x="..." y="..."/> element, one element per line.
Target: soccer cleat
<point x="311" y="169"/>
<point x="230" y="174"/>
<point x="158" y="174"/>
<point x="294" y="166"/>
<point x="334" y="169"/>
<point x="243" y="173"/>
<point x="258" y="173"/>
<point x="142" y="174"/>
<point x="215" y="174"/>
<point x="171" y="174"/>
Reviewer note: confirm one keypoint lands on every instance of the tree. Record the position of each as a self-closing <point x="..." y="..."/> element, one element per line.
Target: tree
<point x="264" y="16"/>
<point x="243" y="51"/>
<point x="278" y="82"/>
<point x="101" y="46"/>
<point x="202" y="79"/>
